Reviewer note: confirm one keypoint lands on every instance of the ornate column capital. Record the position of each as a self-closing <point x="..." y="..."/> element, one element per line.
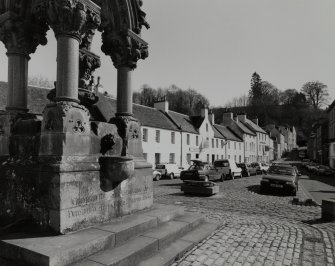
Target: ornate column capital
<point x="72" y="17"/>
<point x="122" y="21"/>
<point x="20" y="31"/>
<point x="125" y="48"/>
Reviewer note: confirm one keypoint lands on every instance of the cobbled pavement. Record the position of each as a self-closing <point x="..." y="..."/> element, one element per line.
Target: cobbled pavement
<point x="255" y="229"/>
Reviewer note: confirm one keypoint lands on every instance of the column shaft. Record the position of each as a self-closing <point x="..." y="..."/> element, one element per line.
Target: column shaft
<point x="67" y="68"/>
<point x="124" y="92"/>
<point x="17" y="81"/>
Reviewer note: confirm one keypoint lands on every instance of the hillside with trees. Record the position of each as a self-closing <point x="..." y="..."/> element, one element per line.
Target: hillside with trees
<point x="300" y="108"/>
<point x="187" y="102"/>
<point x="288" y="107"/>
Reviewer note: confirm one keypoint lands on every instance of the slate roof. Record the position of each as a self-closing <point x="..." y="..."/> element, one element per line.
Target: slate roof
<point x="246" y="129"/>
<point x="227" y="133"/>
<point x="152" y="117"/>
<point x="217" y="134"/>
<point x="183" y="121"/>
<point x="254" y="127"/>
<point x="148" y="116"/>
<point x="37" y="98"/>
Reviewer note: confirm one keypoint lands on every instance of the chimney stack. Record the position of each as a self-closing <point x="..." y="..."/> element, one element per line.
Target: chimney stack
<point x="255" y="120"/>
<point x="227" y="117"/>
<point x="211" y="118"/>
<point x="204" y="112"/>
<point x="162" y="104"/>
<point x="242" y="117"/>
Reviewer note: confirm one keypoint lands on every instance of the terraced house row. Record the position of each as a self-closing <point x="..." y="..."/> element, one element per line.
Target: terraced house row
<point x="171" y="137"/>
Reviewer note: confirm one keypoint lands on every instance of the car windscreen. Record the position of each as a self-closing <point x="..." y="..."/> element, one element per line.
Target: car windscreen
<point x="280" y="170"/>
<point x="221" y="164"/>
<point x="160" y="166"/>
<point x="196" y="167"/>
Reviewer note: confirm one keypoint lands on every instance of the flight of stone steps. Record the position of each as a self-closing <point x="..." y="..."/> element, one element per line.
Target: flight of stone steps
<point x="157" y="237"/>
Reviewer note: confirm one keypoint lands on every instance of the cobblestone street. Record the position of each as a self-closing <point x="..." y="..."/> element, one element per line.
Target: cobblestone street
<point x="256" y="229"/>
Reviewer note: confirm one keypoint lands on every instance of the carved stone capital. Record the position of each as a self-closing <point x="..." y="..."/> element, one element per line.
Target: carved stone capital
<point x="20" y="31"/>
<point x="72" y="17"/>
<point x="122" y="21"/>
<point x="88" y="63"/>
<point x="125" y="48"/>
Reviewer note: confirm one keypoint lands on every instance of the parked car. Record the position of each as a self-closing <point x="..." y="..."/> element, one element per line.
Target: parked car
<point x="168" y="169"/>
<point x="264" y="167"/>
<point x="201" y="171"/>
<point x="258" y="167"/>
<point x="247" y="170"/>
<point x="324" y="170"/>
<point x="281" y="176"/>
<point x="156" y="175"/>
<point x="311" y="166"/>
<point x="228" y="168"/>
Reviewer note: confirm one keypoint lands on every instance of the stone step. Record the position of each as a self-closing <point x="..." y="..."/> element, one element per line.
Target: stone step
<point x="67" y="249"/>
<point x="178" y="248"/>
<point x="147" y="243"/>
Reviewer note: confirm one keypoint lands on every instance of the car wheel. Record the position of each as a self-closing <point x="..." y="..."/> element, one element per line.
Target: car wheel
<point x="222" y="178"/>
<point x="157" y="177"/>
<point x="171" y="176"/>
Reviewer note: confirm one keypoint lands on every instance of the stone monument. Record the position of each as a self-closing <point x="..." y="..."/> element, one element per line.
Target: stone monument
<point x="69" y="171"/>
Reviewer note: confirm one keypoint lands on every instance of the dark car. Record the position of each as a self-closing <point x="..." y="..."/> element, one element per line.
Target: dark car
<point x="247" y="170"/>
<point x="324" y="170"/>
<point x="281" y="176"/>
<point x="201" y="171"/>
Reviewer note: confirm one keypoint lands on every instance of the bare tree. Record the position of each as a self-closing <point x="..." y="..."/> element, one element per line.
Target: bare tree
<point x="40" y="81"/>
<point x="316" y="93"/>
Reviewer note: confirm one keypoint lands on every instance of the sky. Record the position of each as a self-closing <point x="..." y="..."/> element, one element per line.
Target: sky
<point x="214" y="46"/>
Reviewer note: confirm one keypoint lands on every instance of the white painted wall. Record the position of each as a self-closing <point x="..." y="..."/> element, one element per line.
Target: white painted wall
<point x="164" y="147"/>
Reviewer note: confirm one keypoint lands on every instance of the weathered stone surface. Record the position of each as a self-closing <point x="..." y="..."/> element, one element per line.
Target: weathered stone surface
<point x="56" y="250"/>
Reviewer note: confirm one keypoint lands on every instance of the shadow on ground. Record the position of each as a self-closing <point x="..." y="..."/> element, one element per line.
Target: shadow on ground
<point x="270" y="192"/>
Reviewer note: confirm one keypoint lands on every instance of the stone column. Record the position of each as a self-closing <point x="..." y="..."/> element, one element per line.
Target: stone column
<point x="67" y="68"/>
<point x="21" y="33"/>
<point x="122" y="22"/>
<point x="124" y="91"/>
<point x="67" y="19"/>
<point x="17" y="81"/>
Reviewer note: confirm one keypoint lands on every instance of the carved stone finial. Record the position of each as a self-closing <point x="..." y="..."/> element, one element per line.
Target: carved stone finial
<point x="20" y="31"/>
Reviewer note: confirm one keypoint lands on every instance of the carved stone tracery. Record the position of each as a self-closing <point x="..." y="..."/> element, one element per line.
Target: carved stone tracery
<point x="20" y="31"/>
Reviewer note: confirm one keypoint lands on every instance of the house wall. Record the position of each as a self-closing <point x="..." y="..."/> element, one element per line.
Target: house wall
<point x="164" y="147"/>
<point x="235" y="151"/>
<point x="250" y="144"/>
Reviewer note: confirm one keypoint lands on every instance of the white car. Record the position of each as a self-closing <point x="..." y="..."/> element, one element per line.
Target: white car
<point x="264" y="167"/>
<point x="168" y="169"/>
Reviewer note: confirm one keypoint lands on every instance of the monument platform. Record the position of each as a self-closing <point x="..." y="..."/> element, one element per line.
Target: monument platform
<point x="153" y="237"/>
